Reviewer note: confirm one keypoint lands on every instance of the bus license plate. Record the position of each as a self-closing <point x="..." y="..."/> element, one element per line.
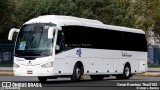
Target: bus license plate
<point x="29" y="72"/>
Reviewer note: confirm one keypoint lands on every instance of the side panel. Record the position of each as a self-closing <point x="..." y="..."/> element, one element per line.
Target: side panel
<point x="101" y="51"/>
<point x="140" y="62"/>
<point x="135" y="66"/>
<point x="65" y="61"/>
<point x="119" y="65"/>
<point x="63" y="64"/>
<point x="108" y="65"/>
<point x="98" y="61"/>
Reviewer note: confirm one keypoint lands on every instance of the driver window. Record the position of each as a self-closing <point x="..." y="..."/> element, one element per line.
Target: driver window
<point x="60" y="42"/>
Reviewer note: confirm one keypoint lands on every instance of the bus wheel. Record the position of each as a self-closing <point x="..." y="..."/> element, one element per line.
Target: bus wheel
<point x="126" y="73"/>
<point x="96" y="77"/>
<point x="77" y="73"/>
<point x="42" y="79"/>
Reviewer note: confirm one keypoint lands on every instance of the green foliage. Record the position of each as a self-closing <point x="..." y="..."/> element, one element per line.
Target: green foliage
<point x="143" y="14"/>
<point x="154" y="65"/>
<point x="5" y="17"/>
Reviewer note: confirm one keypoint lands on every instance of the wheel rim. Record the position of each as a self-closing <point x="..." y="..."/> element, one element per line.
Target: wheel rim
<point x="127" y="71"/>
<point x="78" y="73"/>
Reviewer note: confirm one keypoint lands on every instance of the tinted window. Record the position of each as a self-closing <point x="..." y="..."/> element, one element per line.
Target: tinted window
<point x="114" y="40"/>
<point x="109" y="39"/>
<point x="87" y="37"/>
<point x="74" y="36"/>
<point x="128" y="40"/>
<point x="94" y="38"/>
<point x="140" y="43"/>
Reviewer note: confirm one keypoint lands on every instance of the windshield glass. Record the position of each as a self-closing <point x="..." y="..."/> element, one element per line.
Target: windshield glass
<point x="33" y="40"/>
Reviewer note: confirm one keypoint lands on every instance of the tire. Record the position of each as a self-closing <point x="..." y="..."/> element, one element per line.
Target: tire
<point x="77" y="73"/>
<point x="96" y="77"/>
<point x="126" y="73"/>
<point x="42" y="79"/>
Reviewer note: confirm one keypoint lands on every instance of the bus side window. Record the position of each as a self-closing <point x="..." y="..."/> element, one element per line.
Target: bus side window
<point x="60" y="42"/>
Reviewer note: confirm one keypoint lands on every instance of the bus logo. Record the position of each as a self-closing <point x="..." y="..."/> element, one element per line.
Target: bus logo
<point x="125" y="54"/>
<point x="6" y="84"/>
<point x="78" y="52"/>
<point x="29" y="63"/>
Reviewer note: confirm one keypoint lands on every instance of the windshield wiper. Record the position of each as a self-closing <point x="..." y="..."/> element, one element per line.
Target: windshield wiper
<point x="23" y="52"/>
<point x="41" y="53"/>
<point x="32" y="53"/>
<point x="28" y="53"/>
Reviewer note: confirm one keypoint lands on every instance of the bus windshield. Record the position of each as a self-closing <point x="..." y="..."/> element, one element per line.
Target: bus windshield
<point x="33" y="40"/>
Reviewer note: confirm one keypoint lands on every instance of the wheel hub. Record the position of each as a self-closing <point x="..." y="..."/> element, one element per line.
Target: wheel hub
<point x="127" y="72"/>
<point x="78" y="73"/>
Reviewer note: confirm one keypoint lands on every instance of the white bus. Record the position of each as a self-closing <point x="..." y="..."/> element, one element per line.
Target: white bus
<point x="54" y="46"/>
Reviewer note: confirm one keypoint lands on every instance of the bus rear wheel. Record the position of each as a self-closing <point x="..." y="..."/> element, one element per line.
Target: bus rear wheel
<point x="126" y="73"/>
<point x="96" y="77"/>
<point x="77" y="72"/>
<point x="42" y="79"/>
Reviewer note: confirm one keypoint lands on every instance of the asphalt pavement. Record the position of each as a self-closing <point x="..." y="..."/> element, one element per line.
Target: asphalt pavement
<point x="109" y="83"/>
<point x="86" y="82"/>
<point x="152" y="72"/>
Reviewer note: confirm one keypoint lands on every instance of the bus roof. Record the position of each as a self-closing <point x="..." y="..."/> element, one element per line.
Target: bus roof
<point x="61" y="20"/>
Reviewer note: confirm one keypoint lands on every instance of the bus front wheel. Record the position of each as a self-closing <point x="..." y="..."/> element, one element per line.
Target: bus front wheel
<point x="77" y="72"/>
<point x="42" y="79"/>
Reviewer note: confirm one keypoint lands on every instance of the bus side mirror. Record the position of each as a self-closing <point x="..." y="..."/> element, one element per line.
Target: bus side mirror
<point x="11" y="32"/>
<point x="51" y="30"/>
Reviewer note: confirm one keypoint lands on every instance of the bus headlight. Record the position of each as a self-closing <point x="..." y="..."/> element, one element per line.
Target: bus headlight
<point x="16" y="65"/>
<point x="50" y="64"/>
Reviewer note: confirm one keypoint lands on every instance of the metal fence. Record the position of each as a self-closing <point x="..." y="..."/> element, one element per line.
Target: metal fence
<point x="6" y="50"/>
<point x="154" y="55"/>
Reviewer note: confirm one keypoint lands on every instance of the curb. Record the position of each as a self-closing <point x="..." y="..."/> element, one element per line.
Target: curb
<point x="148" y="75"/>
<point x="6" y="74"/>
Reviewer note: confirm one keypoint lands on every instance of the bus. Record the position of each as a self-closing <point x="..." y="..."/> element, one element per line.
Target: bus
<point x="53" y="46"/>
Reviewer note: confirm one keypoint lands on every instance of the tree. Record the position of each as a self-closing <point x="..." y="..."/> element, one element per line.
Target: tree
<point x="142" y="14"/>
<point x="5" y="14"/>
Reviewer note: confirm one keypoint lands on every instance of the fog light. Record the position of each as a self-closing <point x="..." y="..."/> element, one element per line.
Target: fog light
<point x="16" y="65"/>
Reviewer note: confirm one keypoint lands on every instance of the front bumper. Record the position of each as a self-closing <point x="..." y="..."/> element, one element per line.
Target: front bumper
<point x="33" y="71"/>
